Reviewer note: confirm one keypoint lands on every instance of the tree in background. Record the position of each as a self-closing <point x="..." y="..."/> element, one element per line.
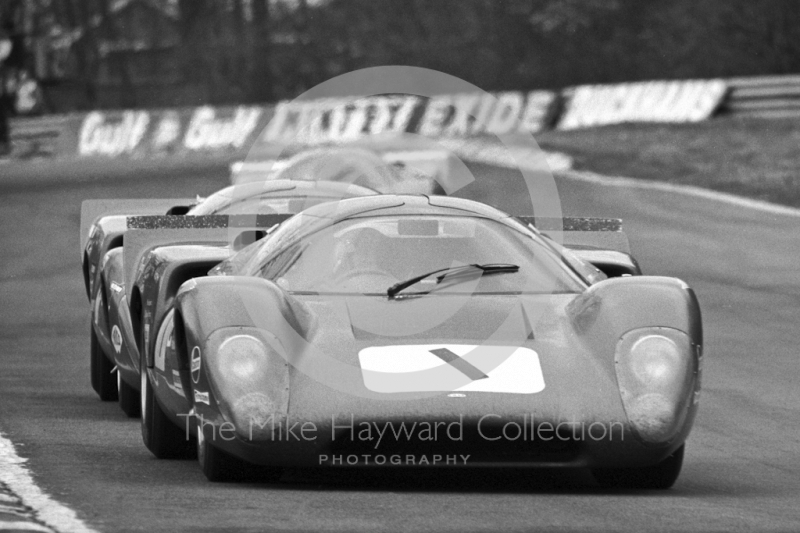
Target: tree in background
<point x="238" y="51"/>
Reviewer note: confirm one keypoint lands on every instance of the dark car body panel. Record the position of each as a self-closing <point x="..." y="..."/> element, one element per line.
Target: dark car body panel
<point x="576" y="354"/>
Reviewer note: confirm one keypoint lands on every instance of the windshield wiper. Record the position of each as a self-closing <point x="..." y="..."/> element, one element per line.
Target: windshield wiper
<point x="496" y="268"/>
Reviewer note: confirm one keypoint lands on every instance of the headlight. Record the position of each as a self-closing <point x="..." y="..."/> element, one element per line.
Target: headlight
<point x="655" y="360"/>
<point x="656" y="371"/>
<point x="243" y="357"/>
<point x="250" y="381"/>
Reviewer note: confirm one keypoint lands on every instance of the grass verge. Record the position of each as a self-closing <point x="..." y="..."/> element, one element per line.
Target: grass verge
<point x="757" y="158"/>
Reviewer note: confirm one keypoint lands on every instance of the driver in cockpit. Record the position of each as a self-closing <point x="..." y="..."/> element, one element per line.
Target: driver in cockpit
<point x="358" y="262"/>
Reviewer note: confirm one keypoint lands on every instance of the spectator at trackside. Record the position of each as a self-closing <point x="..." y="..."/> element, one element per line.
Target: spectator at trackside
<point x="5" y="98"/>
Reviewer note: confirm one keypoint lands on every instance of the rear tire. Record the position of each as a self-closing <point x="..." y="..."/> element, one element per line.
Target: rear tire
<point x="659" y="476"/>
<point x="103" y="382"/>
<point x="129" y="400"/>
<point x="219" y="466"/>
<point x="163" y="438"/>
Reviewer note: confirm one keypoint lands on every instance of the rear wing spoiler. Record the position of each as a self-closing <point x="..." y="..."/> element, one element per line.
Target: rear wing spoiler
<point x="148" y="232"/>
<point x="583" y="232"/>
<point x="91" y="210"/>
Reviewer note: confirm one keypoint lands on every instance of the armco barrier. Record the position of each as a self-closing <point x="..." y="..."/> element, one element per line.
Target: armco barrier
<point x="764" y="97"/>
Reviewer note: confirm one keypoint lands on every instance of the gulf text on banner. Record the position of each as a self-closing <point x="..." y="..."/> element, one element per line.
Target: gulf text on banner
<point x="170" y="132"/>
<point x="653" y="101"/>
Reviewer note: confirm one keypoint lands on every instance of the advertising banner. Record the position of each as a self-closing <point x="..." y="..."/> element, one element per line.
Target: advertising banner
<point x="652" y="101"/>
<point x="458" y="115"/>
<point x="230" y="132"/>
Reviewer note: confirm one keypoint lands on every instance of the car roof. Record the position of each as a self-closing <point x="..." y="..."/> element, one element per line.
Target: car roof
<point x="403" y="204"/>
<point x="334" y="190"/>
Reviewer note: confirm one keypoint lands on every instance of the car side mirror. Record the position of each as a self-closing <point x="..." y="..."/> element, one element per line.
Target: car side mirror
<point x="612" y="263"/>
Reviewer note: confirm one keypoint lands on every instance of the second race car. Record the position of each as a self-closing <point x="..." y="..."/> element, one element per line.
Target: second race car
<point x="113" y="355"/>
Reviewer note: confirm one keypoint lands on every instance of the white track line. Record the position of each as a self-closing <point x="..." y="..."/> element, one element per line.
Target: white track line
<point x="16" y="476"/>
<point x="690" y="190"/>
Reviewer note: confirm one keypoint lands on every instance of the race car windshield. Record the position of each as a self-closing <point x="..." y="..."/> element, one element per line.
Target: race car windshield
<point x="369" y="255"/>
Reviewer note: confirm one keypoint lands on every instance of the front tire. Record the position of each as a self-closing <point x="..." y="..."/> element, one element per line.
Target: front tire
<point x="163" y="438"/>
<point x="659" y="476"/>
<point x="100" y="368"/>
<point x="129" y="400"/>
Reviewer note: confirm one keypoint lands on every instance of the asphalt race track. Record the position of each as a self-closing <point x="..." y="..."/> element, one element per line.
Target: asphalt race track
<point x="742" y="468"/>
